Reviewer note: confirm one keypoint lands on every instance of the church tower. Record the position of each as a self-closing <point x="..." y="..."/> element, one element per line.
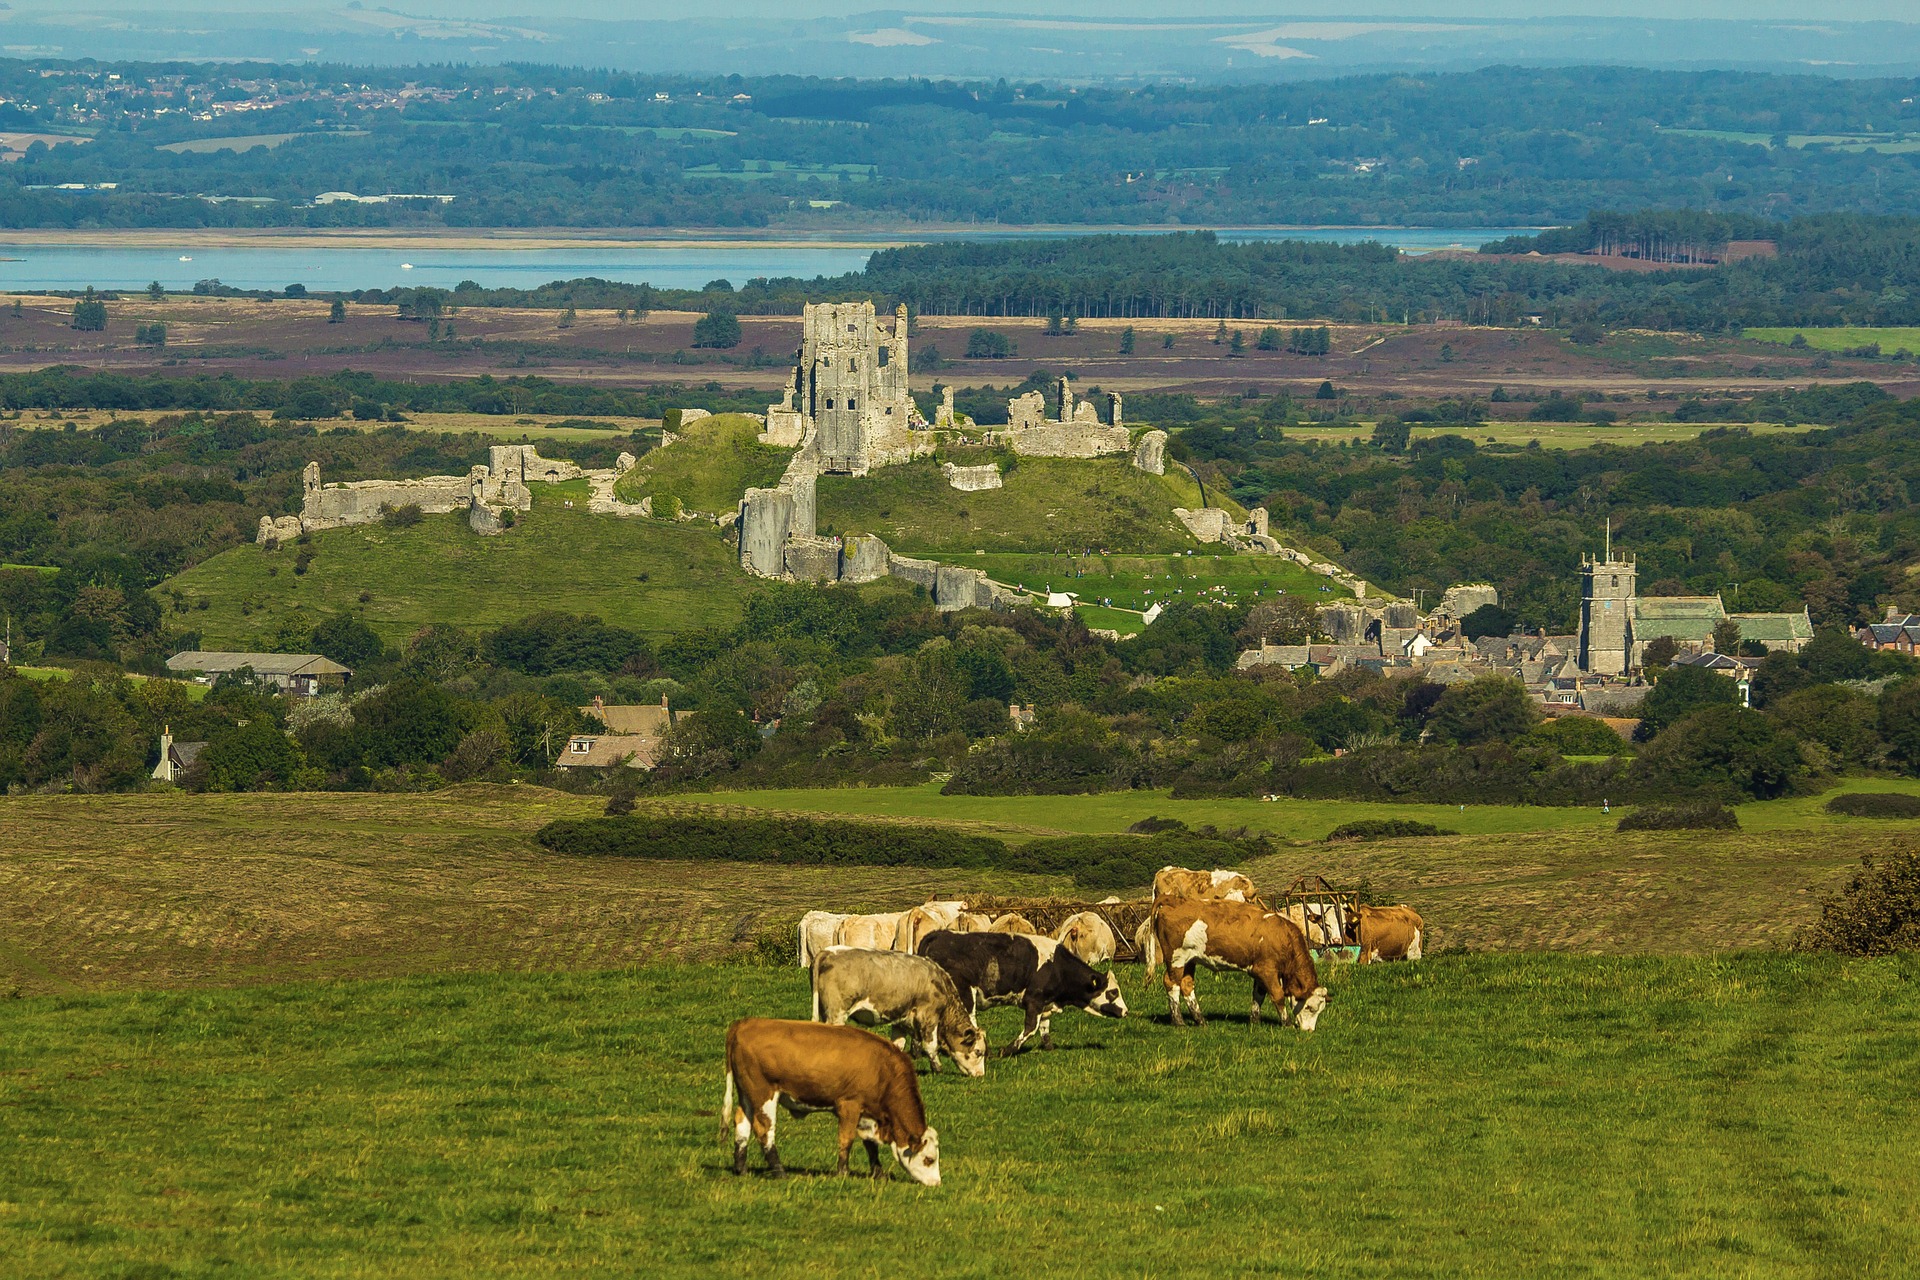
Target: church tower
<point x="1606" y="611"/>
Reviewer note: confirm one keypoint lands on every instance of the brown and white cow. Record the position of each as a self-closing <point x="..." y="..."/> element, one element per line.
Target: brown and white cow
<point x="803" y="1067"/>
<point x="1088" y="936"/>
<point x="1388" y="933"/>
<point x="911" y="993"/>
<point x="1237" y="935"/>
<point x="1178" y="883"/>
<point x="1012" y="922"/>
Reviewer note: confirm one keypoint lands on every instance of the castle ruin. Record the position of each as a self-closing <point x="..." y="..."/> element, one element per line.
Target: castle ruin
<point x="847" y="400"/>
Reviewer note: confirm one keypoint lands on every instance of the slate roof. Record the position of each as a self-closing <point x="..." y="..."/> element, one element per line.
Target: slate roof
<point x="1777" y="627"/>
<point x="1695" y="614"/>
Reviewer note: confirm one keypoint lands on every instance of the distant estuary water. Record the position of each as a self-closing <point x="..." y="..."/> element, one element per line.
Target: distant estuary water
<point x="668" y="266"/>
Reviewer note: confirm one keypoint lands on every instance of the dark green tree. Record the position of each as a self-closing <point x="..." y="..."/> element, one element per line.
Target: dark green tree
<point x="717" y="329"/>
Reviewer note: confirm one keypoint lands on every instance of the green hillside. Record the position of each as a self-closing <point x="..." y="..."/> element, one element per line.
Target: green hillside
<point x="646" y="574"/>
<point x="1047" y="504"/>
<point x="713" y="462"/>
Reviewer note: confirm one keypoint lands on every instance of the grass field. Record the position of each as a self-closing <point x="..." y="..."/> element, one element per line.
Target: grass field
<point x="1046" y="504"/>
<point x="248" y="142"/>
<point x="164" y="891"/>
<point x="1891" y="339"/>
<point x="650" y="575"/>
<point x="1136" y="582"/>
<point x="1551" y="435"/>
<point x="1471" y="1116"/>
<point x="714" y="461"/>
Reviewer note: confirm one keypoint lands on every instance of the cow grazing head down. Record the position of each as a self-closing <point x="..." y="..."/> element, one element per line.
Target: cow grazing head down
<point x="1311" y="1007"/>
<point x="968" y="1050"/>
<point x="1108" y="1002"/>
<point x="921" y="1159"/>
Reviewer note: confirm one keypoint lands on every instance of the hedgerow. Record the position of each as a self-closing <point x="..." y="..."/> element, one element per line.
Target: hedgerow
<point x="1100" y="862"/>
<point x="1875" y="804"/>
<point x="1698" y="816"/>
<point x="1386" y="829"/>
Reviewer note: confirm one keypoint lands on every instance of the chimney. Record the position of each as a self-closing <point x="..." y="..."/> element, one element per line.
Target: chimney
<point x="598" y="703"/>
<point x="663" y="703"/>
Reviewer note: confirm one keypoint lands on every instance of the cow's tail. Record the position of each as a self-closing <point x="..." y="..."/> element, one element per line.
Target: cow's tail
<point x="813" y="975"/>
<point x="726" y="1106"/>
<point x="1150" y="949"/>
<point x="1413" y="952"/>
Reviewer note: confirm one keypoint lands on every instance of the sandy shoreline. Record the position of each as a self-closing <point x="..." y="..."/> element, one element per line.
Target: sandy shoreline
<point x="534" y="238"/>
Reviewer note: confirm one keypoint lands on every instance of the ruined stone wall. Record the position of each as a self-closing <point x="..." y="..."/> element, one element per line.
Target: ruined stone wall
<point x="338" y="505"/>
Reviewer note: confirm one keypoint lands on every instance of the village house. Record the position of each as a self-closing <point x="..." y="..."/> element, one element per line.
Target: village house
<point x="1900" y="632"/>
<point x="175" y="757"/>
<point x="633" y="736"/>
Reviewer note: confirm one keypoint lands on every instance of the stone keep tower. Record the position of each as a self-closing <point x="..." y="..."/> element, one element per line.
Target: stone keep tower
<point x="851" y="384"/>
<point x="1606" y="613"/>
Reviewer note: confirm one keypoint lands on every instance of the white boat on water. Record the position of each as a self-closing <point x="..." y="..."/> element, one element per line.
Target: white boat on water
<point x="406" y="266"/>
<point x="185" y="258"/>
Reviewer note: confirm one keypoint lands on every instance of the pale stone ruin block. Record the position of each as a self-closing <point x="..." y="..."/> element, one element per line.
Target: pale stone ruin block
<point x="766" y="519"/>
<point x="813" y="559"/>
<point x="972" y="479"/>
<point x="280" y="529"/>
<point x="863" y="558"/>
<point x="1150" y="455"/>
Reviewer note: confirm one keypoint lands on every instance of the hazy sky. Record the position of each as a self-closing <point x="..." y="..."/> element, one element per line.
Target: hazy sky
<point x="1826" y="10"/>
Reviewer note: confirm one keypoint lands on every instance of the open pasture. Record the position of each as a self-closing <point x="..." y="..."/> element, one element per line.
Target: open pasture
<point x="105" y="893"/>
<point x="1468" y="1116"/>
<point x="648" y="574"/>
<point x="1136" y="582"/>
<point x="1844" y="338"/>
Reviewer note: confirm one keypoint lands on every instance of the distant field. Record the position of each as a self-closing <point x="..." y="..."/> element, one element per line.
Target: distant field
<point x="520" y="428"/>
<point x="1470" y="1116"/>
<point x="1885" y="143"/>
<point x="1046" y="505"/>
<point x="1551" y="435"/>
<point x="195" y="691"/>
<point x="651" y="575"/>
<point x="1136" y="582"/>
<point x="714" y="461"/>
<point x="1890" y="339"/>
<point x="251" y="141"/>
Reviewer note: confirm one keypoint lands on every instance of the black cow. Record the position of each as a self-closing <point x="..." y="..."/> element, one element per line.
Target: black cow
<point x="1036" y="973"/>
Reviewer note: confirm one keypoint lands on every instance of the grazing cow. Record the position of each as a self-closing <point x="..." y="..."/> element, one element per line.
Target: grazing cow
<point x="1036" y="973"/>
<point x="911" y="992"/>
<point x="805" y="1067"/>
<point x="923" y="920"/>
<point x="1388" y="933"/>
<point x="1012" y="923"/>
<point x="818" y="931"/>
<point x="1237" y="935"/>
<point x="1171" y="883"/>
<point x="1324" y="923"/>
<point x="876" y="932"/>
<point x="1088" y="936"/>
